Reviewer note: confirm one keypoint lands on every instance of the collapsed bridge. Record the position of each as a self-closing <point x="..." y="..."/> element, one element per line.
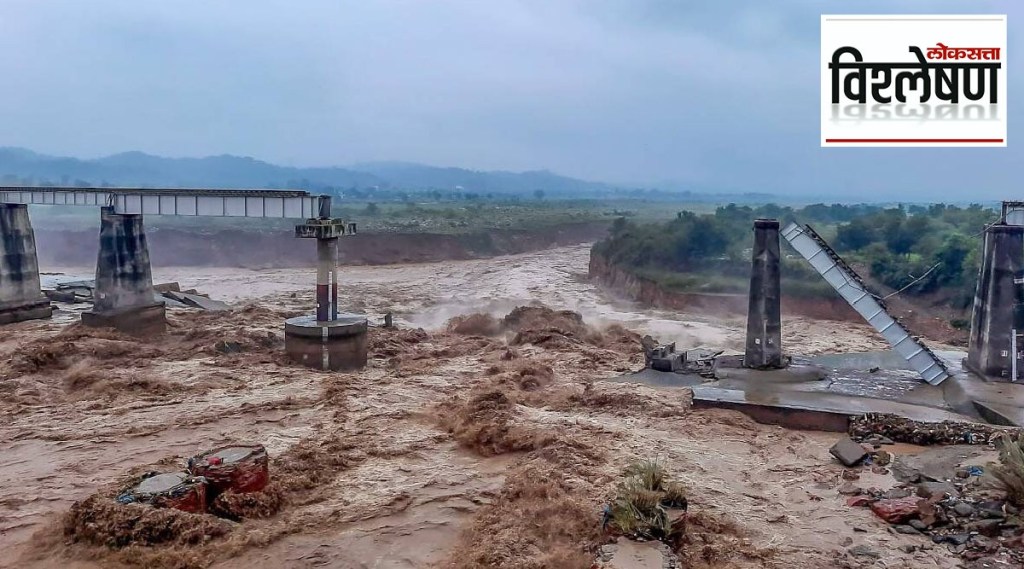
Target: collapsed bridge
<point x="124" y="296"/>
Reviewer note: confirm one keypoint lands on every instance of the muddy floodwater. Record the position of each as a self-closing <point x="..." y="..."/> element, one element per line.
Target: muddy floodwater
<point x="427" y="295"/>
<point x="455" y="447"/>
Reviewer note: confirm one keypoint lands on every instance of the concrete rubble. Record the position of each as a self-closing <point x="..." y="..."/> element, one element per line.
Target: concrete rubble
<point x="945" y="494"/>
<point x="58" y="288"/>
<point x="848" y="452"/>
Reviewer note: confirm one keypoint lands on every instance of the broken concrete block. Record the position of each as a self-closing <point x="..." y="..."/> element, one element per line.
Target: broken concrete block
<point x="196" y="301"/>
<point x="848" y="452"/>
<point x="169" y="302"/>
<point x="166" y="287"/>
<point x="203" y="302"/>
<point x="60" y="295"/>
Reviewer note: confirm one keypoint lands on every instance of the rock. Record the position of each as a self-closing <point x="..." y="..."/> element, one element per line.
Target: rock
<point x="850" y="475"/>
<point x="958" y="538"/>
<point x="929" y="489"/>
<point x="986" y="544"/>
<point x="848" y="452"/>
<point x="962" y="473"/>
<point x="928" y="513"/>
<point x="882" y="458"/>
<point x="905" y="529"/>
<point x="859" y="501"/>
<point x="963" y="509"/>
<point x="988" y="527"/>
<point x="991" y="509"/>
<point x="863" y="551"/>
<point x="897" y="510"/>
<point x="908" y="548"/>
<point x="918" y="525"/>
<point x="904" y="472"/>
<point x="896" y="493"/>
<point x="849" y="489"/>
<point x="846" y="541"/>
<point x="607" y="551"/>
<point x="879" y="470"/>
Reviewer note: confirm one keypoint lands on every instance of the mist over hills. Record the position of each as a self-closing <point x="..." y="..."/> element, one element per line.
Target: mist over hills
<point x="25" y="167"/>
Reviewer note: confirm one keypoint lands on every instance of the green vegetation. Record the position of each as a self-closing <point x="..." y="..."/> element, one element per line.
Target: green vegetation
<point x="639" y="508"/>
<point x="924" y="250"/>
<point x="934" y="249"/>
<point x="1010" y="470"/>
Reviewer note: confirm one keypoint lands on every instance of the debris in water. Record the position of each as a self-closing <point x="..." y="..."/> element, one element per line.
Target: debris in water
<point x="238" y="468"/>
<point x="923" y="433"/>
<point x="176" y="490"/>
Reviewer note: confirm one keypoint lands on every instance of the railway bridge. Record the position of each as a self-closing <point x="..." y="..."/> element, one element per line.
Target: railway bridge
<point x="124" y="296"/>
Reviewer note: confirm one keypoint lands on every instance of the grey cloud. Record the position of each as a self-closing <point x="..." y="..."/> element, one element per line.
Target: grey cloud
<point x="713" y="95"/>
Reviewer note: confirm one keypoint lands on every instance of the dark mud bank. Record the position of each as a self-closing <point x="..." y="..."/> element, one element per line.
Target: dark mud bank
<point x="279" y="249"/>
<point x="650" y="293"/>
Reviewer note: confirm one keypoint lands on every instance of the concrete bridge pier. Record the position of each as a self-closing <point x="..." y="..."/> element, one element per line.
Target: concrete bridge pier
<point x="328" y="340"/>
<point x="123" y="297"/>
<point x="20" y="292"/>
<point x="997" y="311"/>
<point x="764" y="313"/>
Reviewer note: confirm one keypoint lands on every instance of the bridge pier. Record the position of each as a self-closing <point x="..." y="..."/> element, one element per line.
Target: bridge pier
<point x="997" y="305"/>
<point x="20" y="291"/>
<point x="123" y="297"/>
<point x="328" y="340"/>
<point x="764" y="312"/>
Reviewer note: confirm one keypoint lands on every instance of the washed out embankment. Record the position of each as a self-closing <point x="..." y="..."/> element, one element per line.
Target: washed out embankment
<point x="279" y="249"/>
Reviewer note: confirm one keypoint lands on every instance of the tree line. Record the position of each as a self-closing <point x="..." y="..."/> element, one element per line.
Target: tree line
<point x="924" y="249"/>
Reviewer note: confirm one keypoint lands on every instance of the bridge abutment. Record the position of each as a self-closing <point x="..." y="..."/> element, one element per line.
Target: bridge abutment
<point x="21" y="297"/>
<point x="123" y="297"/>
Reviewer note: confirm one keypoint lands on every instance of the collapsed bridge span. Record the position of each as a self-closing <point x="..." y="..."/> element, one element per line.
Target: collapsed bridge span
<point x="851" y="287"/>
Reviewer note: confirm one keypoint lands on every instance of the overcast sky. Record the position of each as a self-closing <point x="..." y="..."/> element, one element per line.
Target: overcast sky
<point x="718" y="95"/>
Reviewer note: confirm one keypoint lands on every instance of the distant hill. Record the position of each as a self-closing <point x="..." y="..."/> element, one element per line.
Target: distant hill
<point x="21" y="166"/>
<point x="418" y="176"/>
<point x="140" y="169"/>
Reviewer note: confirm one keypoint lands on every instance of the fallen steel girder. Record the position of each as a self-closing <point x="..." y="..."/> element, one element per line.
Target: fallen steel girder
<point x="849" y="285"/>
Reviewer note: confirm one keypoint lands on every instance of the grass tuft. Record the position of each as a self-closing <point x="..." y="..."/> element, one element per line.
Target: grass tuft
<point x="642" y="499"/>
<point x="1010" y="470"/>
